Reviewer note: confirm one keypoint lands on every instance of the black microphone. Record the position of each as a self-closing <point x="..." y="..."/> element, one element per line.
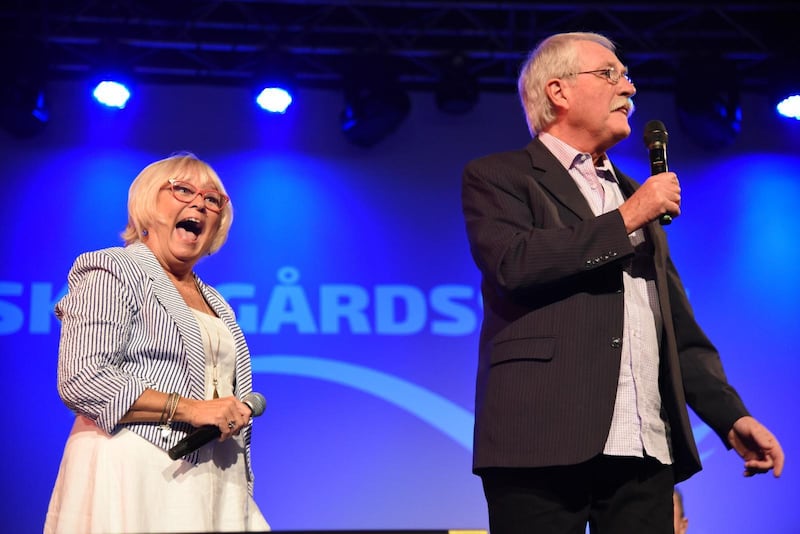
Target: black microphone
<point x="255" y="401"/>
<point x="655" y="139"/>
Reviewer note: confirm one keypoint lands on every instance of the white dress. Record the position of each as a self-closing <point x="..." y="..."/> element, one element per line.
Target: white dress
<point x="123" y="483"/>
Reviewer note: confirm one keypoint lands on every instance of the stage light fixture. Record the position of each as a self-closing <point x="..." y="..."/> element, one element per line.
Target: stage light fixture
<point x="111" y="77"/>
<point x="374" y="102"/>
<point x="789" y="107"/>
<point x="23" y="111"/>
<point x="274" y="82"/>
<point x="707" y="101"/>
<point x="457" y="91"/>
<point x="23" y="100"/>
<point x="784" y="86"/>
<point x="274" y="99"/>
<point x="111" y="93"/>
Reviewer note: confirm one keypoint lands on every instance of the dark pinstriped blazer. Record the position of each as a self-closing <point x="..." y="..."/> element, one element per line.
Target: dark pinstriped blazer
<point x="125" y="328"/>
<point x="550" y="342"/>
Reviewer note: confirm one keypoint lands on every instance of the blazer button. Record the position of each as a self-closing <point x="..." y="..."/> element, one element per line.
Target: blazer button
<point x="616" y="342"/>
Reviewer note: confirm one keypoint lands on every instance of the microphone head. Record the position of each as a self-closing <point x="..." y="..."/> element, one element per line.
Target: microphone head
<point x="655" y="133"/>
<point x="256" y="402"/>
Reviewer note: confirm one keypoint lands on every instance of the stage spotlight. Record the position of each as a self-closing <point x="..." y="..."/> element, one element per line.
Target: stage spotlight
<point x="374" y="103"/>
<point x="789" y="107"/>
<point x="111" y="77"/>
<point x="273" y="81"/>
<point x="23" y="102"/>
<point x="370" y="114"/>
<point x="457" y="91"/>
<point x="784" y="85"/>
<point x="274" y="99"/>
<point x="23" y="110"/>
<point x="707" y="100"/>
<point x="111" y="94"/>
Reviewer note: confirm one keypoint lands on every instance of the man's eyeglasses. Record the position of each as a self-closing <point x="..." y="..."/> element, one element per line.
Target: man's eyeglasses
<point x="213" y="200"/>
<point x="611" y="74"/>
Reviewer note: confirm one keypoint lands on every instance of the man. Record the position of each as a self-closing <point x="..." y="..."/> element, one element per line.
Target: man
<point x="589" y="350"/>
<point x="679" y="519"/>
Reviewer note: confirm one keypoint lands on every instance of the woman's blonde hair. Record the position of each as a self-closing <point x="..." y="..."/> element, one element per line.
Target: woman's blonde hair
<point x="143" y="195"/>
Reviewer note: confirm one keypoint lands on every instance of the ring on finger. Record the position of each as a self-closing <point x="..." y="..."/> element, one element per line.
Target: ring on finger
<point x="231" y="424"/>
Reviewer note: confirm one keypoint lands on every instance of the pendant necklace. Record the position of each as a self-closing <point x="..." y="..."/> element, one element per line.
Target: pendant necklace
<point x="214" y="360"/>
<point x="214" y="351"/>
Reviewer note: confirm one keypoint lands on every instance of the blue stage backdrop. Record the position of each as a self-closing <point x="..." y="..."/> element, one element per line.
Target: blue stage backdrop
<point x="350" y="274"/>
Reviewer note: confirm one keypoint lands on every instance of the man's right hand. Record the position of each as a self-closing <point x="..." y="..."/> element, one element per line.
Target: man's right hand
<point x="659" y="194"/>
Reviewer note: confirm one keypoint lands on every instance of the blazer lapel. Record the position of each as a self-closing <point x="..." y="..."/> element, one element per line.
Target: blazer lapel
<point x="167" y="295"/>
<point x="551" y="175"/>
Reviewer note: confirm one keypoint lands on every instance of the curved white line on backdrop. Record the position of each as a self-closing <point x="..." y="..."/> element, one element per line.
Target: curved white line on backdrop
<point x="442" y="414"/>
<point x="700" y="432"/>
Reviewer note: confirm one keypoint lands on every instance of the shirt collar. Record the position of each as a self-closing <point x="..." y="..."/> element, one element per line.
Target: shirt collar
<point x="569" y="156"/>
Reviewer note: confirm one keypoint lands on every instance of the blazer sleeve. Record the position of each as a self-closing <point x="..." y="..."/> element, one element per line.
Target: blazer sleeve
<point x="521" y="237"/>
<point x="96" y="317"/>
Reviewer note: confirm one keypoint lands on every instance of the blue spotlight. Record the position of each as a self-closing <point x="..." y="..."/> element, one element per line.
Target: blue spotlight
<point x="111" y="94"/>
<point x="784" y="85"/>
<point x="274" y="99"/>
<point x="790" y="107"/>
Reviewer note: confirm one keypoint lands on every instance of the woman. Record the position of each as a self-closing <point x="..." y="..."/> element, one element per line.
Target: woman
<point x="147" y="353"/>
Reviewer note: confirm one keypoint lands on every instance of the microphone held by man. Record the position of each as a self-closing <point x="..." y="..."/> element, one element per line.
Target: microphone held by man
<point x="655" y="139"/>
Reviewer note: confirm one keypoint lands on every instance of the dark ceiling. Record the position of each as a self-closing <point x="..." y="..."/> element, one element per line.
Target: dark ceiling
<point x="226" y="42"/>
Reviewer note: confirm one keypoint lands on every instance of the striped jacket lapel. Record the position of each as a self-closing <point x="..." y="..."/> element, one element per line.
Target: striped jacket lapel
<point x="168" y="296"/>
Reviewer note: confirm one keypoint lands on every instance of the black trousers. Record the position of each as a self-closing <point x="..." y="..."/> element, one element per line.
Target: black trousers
<point x="615" y="495"/>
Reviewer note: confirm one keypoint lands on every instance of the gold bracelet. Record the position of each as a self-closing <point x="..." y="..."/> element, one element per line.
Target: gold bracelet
<point x="169" y="409"/>
<point x="174" y="407"/>
<point x="164" y="412"/>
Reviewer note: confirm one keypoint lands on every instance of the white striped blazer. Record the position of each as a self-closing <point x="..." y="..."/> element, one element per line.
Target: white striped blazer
<point x="125" y="328"/>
